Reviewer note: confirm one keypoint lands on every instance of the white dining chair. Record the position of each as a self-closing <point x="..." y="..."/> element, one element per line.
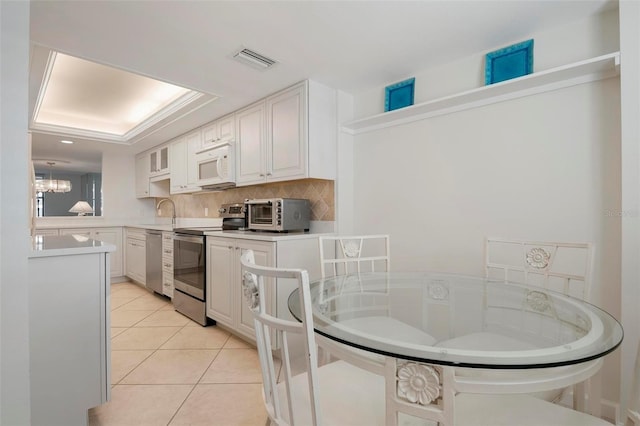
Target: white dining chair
<point x="334" y="394"/>
<point x="355" y="254"/>
<point x="564" y="267"/>
<point x="343" y="255"/>
<point x="405" y="393"/>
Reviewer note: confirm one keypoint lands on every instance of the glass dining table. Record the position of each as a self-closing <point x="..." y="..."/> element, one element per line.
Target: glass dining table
<point x="466" y="323"/>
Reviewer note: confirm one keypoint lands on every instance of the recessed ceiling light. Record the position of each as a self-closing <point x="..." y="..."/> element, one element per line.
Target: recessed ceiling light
<point x="66" y="141"/>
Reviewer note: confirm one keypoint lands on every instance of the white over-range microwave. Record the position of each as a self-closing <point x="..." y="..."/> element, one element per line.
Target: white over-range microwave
<point x="216" y="166"/>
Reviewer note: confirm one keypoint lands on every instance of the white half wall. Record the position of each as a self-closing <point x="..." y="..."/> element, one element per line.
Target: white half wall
<point x="14" y="218"/>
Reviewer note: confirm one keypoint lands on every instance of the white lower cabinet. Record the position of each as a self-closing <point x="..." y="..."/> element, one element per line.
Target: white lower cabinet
<point x="108" y="235"/>
<point x="136" y="255"/>
<point x="167" y="264"/>
<point x="225" y="301"/>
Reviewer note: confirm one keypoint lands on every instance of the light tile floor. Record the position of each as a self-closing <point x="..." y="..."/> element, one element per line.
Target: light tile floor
<point x="169" y="370"/>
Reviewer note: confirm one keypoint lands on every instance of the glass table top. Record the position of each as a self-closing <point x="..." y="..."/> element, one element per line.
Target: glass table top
<point x="459" y="320"/>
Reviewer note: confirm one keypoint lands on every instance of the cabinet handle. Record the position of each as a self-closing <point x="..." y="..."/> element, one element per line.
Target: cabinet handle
<point x="168" y="251"/>
<point x="168" y="265"/>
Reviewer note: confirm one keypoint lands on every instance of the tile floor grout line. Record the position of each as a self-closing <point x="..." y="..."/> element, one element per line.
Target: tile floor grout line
<point x="200" y="379"/>
<point x="181" y="404"/>
<point x="153" y="351"/>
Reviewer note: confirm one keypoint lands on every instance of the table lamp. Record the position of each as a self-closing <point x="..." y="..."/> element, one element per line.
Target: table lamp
<point x="82" y="208"/>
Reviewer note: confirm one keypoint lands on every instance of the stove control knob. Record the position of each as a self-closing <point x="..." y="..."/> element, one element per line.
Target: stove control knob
<point x="222" y="210"/>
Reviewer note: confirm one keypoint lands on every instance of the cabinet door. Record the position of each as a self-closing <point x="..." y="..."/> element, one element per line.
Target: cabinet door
<point x="287" y="135"/>
<point x="142" y="176"/>
<point x="220" y="279"/>
<point x="227" y="128"/>
<point x="178" y="173"/>
<point x="112" y="236"/>
<point x="264" y="253"/>
<point x="221" y="130"/>
<point x="194" y="141"/>
<point x="210" y="135"/>
<point x="108" y="235"/>
<point x="250" y="137"/>
<point x="135" y="260"/>
<point x="163" y="160"/>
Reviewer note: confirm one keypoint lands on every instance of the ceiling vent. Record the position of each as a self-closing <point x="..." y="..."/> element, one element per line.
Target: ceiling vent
<point x="254" y="59"/>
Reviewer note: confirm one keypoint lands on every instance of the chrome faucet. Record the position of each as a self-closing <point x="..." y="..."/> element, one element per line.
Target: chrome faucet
<point x="173" y="217"/>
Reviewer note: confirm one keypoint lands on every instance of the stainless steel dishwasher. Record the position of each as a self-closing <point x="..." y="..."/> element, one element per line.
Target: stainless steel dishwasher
<point x="154" y="261"/>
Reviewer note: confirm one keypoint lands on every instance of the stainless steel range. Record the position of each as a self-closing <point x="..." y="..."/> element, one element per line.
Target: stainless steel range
<point x="189" y="273"/>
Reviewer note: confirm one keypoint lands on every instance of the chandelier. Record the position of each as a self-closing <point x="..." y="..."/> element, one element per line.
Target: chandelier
<point x="52" y="185"/>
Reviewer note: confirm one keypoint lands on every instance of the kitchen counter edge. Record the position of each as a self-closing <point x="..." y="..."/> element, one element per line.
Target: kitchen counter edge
<point x="66" y="245"/>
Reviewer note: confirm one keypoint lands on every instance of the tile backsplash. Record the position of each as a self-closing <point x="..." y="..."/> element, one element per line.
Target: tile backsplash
<point x="320" y="194"/>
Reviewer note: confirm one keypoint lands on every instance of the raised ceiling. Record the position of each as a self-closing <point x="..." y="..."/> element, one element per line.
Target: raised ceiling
<point x="80" y="97"/>
<point x="349" y="45"/>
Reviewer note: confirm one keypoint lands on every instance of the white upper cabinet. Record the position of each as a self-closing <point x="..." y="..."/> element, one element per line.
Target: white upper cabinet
<point x="289" y="135"/>
<point x="250" y="144"/>
<point x="142" y="176"/>
<point x="159" y="161"/>
<point x="182" y="163"/>
<point x="286" y="134"/>
<point x="221" y="130"/>
<point x="146" y="185"/>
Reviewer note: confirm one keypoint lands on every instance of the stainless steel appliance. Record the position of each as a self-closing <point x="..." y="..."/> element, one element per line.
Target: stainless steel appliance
<point x="278" y="214"/>
<point x="234" y="216"/>
<point x="189" y="273"/>
<point x="216" y="167"/>
<point x="153" y="260"/>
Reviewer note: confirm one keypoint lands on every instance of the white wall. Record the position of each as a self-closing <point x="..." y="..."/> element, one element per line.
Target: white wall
<point x="630" y="100"/>
<point x="576" y="41"/>
<point x="544" y="167"/>
<point x="118" y="187"/>
<point x="14" y="224"/>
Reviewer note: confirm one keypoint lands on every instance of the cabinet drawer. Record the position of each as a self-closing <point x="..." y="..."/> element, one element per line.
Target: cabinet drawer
<point x="167" y="267"/>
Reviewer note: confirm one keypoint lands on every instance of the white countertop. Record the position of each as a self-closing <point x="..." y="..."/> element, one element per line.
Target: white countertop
<point x="264" y="236"/>
<point x="155" y="227"/>
<point x="65" y="245"/>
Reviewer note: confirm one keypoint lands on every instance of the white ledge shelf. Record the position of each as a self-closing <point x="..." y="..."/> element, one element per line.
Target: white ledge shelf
<point x="593" y="69"/>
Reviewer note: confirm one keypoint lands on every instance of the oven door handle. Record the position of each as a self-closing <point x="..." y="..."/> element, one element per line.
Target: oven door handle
<point x="188" y="238"/>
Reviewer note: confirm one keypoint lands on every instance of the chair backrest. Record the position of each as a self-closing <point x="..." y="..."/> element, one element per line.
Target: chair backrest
<point x="560" y="266"/>
<point x="342" y="255"/>
<point x="254" y="280"/>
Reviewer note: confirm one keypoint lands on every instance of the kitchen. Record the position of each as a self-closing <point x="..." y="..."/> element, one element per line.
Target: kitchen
<point x="364" y="154"/>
